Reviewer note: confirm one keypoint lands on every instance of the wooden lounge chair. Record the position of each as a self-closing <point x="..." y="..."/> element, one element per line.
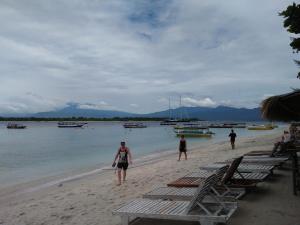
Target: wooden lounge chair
<point x="246" y="168"/>
<point x="231" y="178"/>
<point x="263" y="160"/>
<point x="193" y="210"/>
<point x="186" y="193"/>
<point x="257" y="153"/>
<point x="196" y="178"/>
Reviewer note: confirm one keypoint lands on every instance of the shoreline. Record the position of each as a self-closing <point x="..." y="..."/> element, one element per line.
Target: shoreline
<point x="60" y="179"/>
<point x="90" y="199"/>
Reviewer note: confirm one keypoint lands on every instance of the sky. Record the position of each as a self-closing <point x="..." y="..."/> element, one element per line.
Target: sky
<point x="135" y="55"/>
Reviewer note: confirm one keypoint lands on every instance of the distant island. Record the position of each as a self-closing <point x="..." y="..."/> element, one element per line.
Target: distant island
<point x="73" y="111"/>
<point x="45" y="119"/>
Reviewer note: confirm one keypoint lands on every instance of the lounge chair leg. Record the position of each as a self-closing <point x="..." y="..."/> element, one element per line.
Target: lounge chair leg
<point x="125" y="220"/>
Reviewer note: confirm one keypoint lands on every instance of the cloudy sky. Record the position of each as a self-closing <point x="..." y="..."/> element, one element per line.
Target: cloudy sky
<point x="134" y="55"/>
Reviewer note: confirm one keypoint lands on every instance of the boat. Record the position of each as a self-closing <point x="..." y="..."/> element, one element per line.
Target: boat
<point x="228" y="125"/>
<point x="15" y="126"/>
<point x="261" y="127"/>
<point x="189" y="126"/>
<point x="203" y="132"/>
<point x="169" y="122"/>
<point x="70" y="124"/>
<point x="134" y="125"/>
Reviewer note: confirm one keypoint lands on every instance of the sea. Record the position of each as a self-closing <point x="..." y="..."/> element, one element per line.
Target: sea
<point x="44" y="150"/>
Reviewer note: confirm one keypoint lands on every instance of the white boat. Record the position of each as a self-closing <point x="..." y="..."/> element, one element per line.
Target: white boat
<point x="190" y="126"/>
<point x="203" y="132"/>
<point x="228" y="125"/>
<point x="134" y="125"/>
<point x="261" y="127"/>
<point x="70" y="124"/>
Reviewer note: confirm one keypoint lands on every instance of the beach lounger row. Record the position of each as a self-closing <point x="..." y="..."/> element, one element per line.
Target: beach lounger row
<point x="247" y="168"/>
<point x="207" y="195"/>
<point x="207" y="213"/>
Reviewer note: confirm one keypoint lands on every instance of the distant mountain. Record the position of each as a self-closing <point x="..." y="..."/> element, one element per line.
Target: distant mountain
<point x="74" y="110"/>
<point x="203" y="113"/>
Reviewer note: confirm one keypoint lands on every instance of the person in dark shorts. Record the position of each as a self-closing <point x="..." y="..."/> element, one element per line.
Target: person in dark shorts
<point x="124" y="157"/>
<point x="232" y="136"/>
<point x="182" y="147"/>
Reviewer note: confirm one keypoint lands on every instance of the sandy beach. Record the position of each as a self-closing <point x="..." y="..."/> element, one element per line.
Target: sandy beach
<point x="90" y="199"/>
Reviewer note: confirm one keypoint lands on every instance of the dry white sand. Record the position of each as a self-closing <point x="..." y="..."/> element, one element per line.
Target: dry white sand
<point x="91" y="199"/>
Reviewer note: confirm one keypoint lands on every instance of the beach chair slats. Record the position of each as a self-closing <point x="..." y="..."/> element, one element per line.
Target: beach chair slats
<point x="187" y="182"/>
<point x="251" y="176"/>
<point x="232" y="169"/>
<point x="242" y="167"/>
<point x="200" y="173"/>
<point x="266" y="158"/>
<point x="201" y="192"/>
<point x="205" y="173"/>
<point x="148" y="206"/>
<point x="169" y="192"/>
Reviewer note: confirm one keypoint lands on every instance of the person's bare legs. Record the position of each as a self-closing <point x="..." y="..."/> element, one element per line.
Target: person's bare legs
<point x="185" y="155"/>
<point x="119" y="176"/>
<point x="124" y="175"/>
<point x="232" y="145"/>
<point x="179" y="156"/>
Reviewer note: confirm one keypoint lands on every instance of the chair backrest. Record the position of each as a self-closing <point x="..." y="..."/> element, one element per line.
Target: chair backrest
<point x="232" y="169"/>
<point x="201" y="192"/>
<point x="221" y="171"/>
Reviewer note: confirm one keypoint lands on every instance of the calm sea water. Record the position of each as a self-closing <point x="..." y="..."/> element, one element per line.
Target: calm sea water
<point x="44" y="150"/>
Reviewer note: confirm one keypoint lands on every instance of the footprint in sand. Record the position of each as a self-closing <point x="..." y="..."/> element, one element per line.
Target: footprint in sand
<point x="70" y="194"/>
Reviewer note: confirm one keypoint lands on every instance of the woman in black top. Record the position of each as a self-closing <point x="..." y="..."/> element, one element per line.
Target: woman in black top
<point x="182" y="147"/>
<point x="232" y="136"/>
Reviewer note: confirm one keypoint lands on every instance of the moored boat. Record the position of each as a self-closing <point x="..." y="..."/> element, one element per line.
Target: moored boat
<point x="261" y="127"/>
<point x="134" y="125"/>
<point x="168" y="122"/>
<point x="228" y="125"/>
<point x="189" y="126"/>
<point x="203" y="132"/>
<point x="70" y="124"/>
<point x="15" y="126"/>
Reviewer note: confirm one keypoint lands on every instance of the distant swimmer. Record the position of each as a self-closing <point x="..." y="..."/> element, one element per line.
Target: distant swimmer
<point x="182" y="147"/>
<point x="124" y="157"/>
<point x="232" y="136"/>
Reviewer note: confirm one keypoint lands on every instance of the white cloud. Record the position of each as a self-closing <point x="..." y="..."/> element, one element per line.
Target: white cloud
<point x="102" y="105"/>
<point x="134" y="105"/>
<point x="205" y="102"/>
<point x="115" y="51"/>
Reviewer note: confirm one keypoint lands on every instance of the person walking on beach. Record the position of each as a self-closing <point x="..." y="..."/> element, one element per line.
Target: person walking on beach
<point x="182" y="147"/>
<point x="124" y="157"/>
<point x="232" y="136"/>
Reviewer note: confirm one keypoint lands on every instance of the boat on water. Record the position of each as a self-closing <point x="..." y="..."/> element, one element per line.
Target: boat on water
<point x="228" y="125"/>
<point x="70" y="124"/>
<point x="134" y="125"/>
<point x="190" y="126"/>
<point x="203" y="132"/>
<point x="169" y="122"/>
<point x="261" y="127"/>
<point x="15" y="126"/>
